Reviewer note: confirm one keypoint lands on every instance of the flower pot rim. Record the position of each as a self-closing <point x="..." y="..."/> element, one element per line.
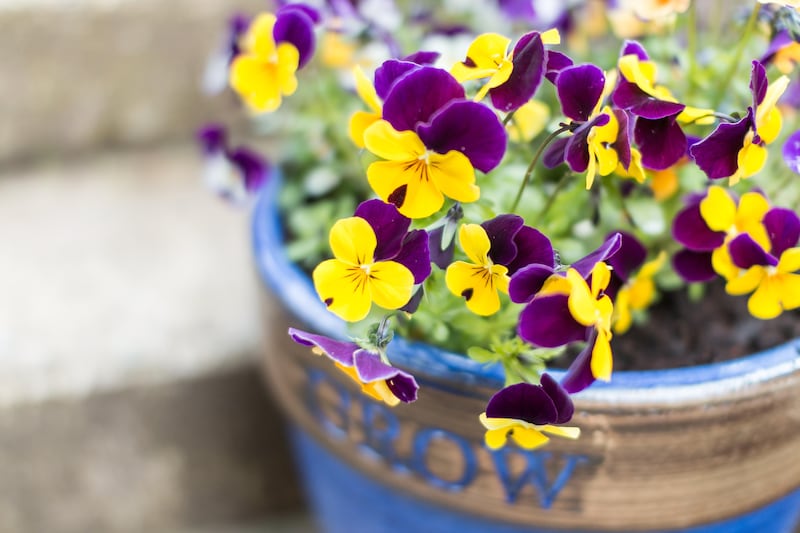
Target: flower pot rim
<point x="294" y="289"/>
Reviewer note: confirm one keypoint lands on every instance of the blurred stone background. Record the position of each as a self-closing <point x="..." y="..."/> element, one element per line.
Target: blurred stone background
<point x="130" y="396"/>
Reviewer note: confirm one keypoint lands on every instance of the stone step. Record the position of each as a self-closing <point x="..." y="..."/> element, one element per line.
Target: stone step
<point x="130" y="398"/>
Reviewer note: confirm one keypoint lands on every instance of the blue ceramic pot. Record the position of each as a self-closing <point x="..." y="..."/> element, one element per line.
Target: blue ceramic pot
<point x="707" y="449"/>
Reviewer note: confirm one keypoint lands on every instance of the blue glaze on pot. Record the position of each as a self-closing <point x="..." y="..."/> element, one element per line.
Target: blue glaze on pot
<point x="344" y="498"/>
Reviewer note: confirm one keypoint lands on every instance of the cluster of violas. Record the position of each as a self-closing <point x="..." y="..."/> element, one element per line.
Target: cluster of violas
<point x="430" y="138"/>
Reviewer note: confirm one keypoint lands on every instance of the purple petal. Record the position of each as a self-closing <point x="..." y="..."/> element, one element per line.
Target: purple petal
<point x="518" y="9"/>
<point x="745" y="252"/>
<point x="468" y="127"/>
<point x="523" y="401"/>
<point x="693" y="266"/>
<point x="560" y="397"/>
<point x="630" y="256"/>
<point x="237" y="26"/>
<point x="533" y="247"/>
<point x="579" y="374"/>
<point x="422" y="57"/>
<point x="690" y="229"/>
<point x="339" y="351"/>
<point x="439" y="257"/>
<point x="415" y="256"/>
<point x="417" y="95"/>
<point x="389" y="72"/>
<point x="212" y="138"/>
<point x="717" y="155"/>
<point x="781" y="40"/>
<point x="555" y="152"/>
<point x="635" y="48"/>
<point x="309" y="11"/>
<point x="253" y="167"/>
<point x="389" y="225"/>
<point x="576" y="151"/>
<point x="370" y="368"/>
<point x="579" y="88"/>
<point x="555" y="62"/>
<point x="528" y="281"/>
<point x="605" y="251"/>
<point x="623" y="143"/>
<point x="526" y="75"/>
<point x="791" y="152"/>
<point x="783" y="228"/>
<point x="661" y="142"/>
<point x="758" y="83"/>
<point x="547" y="322"/>
<point x="629" y="96"/>
<point x="413" y="304"/>
<point x="296" y="26"/>
<point x="501" y="231"/>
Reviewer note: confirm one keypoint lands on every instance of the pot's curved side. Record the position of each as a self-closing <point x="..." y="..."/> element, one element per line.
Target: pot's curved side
<point x="655" y="453"/>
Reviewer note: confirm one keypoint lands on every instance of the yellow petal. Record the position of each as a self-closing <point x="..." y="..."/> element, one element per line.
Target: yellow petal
<point x="496" y="438"/>
<point x="359" y="122"/>
<point x="528" y="438"/>
<point x="696" y="115"/>
<point x="770" y="126"/>
<point x="256" y="83"/>
<point x="751" y="159"/>
<point x="496" y="423"/>
<point x="582" y="304"/>
<point x="366" y="91"/>
<point x="601" y="276"/>
<point x="567" y="432"/>
<point x="767" y="105"/>
<point x="722" y="263"/>
<point x="343" y="288"/>
<point x="288" y="61"/>
<point x="622" y="311"/>
<point x="790" y="291"/>
<point x="488" y="49"/>
<point x="353" y="241"/>
<point x="258" y="39"/>
<point x="789" y="261"/>
<point x="551" y="36"/>
<point x="747" y="282"/>
<point x="387" y="143"/>
<point x="478" y="285"/>
<point x="475" y="243"/>
<point x="602" y="361"/>
<point x="718" y="209"/>
<point x="529" y="121"/>
<point x="453" y="174"/>
<point x="391" y="284"/>
<point x="765" y="302"/>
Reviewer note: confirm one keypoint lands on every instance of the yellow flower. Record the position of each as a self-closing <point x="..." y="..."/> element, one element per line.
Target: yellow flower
<point x="589" y="308"/>
<point x="524" y="434"/>
<point x="777" y="288"/>
<point x="413" y="178"/>
<point x="361" y="120"/>
<point x="264" y="71"/>
<point x="479" y="281"/>
<point x="349" y="283"/>
<point x="637" y="294"/>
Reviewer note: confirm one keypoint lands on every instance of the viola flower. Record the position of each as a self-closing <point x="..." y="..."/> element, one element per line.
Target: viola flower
<point x="431" y="140"/>
<point x="513" y="77"/>
<point x="631" y="287"/>
<point x="378" y="379"/>
<point x="656" y="130"/>
<point x="737" y="150"/>
<point x="658" y="9"/>
<point x="273" y="49"/>
<point x="771" y="273"/>
<point x="565" y="308"/>
<point x="376" y="259"/>
<point x="498" y="248"/>
<point x="235" y="174"/>
<point x="599" y="142"/>
<point x="525" y="412"/>
<point x="480" y="280"/>
<point x="707" y="224"/>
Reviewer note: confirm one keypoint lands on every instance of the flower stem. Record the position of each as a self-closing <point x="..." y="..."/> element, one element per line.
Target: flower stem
<point x="737" y="56"/>
<point x="529" y="172"/>
<point x="552" y="198"/>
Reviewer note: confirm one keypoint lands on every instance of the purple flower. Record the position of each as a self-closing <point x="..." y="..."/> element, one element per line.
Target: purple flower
<point x="378" y="379"/>
<point x="656" y="130"/>
<point x="215" y="76"/>
<point x="524" y="412"/>
<point x="233" y="173"/>
<point x="515" y="245"/>
<point x="737" y="150"/>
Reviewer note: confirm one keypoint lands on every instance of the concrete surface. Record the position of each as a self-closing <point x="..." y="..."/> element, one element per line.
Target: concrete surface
<point x="130" y="396"/>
